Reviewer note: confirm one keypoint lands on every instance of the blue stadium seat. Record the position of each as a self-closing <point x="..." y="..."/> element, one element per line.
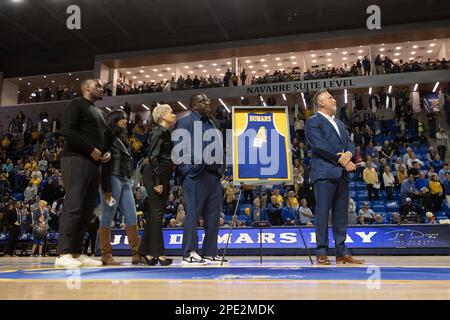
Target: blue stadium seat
<point x="378" y="208"/>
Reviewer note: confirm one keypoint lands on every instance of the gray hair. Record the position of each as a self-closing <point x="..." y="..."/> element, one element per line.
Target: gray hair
<point x="159" y="111"/>
<point x="316" y="98"/>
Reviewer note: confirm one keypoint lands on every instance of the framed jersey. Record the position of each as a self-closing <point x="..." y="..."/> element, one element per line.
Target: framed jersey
<point x="261" y="145"/>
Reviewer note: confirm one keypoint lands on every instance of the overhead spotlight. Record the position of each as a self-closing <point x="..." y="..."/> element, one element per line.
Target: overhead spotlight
<point x="436" y="86"/>
<point x="251" y="67"/>
<point x="265" y="66"/>
<point x="261" y="98"/>
<point x="45" y="77"/>
<point x="314" y="61"/>
<point x="224" y="105"/>
<point x="262" y="60"/>
<point x="128" y="72"/>
<point x="280" y="64"/>
<point x="159" y="75"/>
<point x="145" y="107"/>
<point x="344" y="58"/>
<point x="20" y="79"/>
<point x="134" y="77"/>
<point x="360" y="57"/>
<point x="268" y="70"/>
<point x="415" y="87"/>
<point x="292" y="57"/>
<point x="78" y="79"/>
<point x="242" y="98"/>
<point x="168" y="69"/>
<point x="182" y="105"/>
<point x="382" y="49"/>
<point x="390" y="89"/>
<point x="294" y="62"/>
<point x="328" y="54"/>
<point x="432" y="44"/>
<point x="29" y="84"/>
<point x="155" y="70"/>
<point x="218" y="69"/>
<point x="370" y="90"/>
<point x="200" y="66"/>
<point x="277" y="58"/>
<point x="247" y="61"/>
<point x="313" y="55"/>
<point x="214" y="64"/>
<point x="228" y="63"/>
<point x="396" y="54"/>
<point x="398" y="48"/>
<point x="387" y="102"/>
<point x="141" y="71"/>
<point x="147" y="76"/>
<point x="415" y="46"/>
<point x="284" y="97"/>
<point x="429" y="51"/>
<point x="413" y="52"/>
<point x="328" y="60"/>
<point x="70" y="74"/>
<point x="205" y="70"/>
<point x="253" y="71"/>
<point x="360" y="51"/>
<point x="186" y="67"/>
<point x="345" y="95"/>
<point x="344" y="52"/>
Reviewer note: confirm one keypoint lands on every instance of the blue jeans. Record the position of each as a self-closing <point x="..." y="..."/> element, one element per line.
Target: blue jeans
<point x="123" y="194"/>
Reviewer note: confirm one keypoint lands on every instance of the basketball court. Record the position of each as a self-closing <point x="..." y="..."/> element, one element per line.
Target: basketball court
<point x="277" y="278"/>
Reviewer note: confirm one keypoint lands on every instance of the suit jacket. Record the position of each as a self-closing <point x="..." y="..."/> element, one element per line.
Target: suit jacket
<point x="188" y="167"/>
<point x="325" y="144"/>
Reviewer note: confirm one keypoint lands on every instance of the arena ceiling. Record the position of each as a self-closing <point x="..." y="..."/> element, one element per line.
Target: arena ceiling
<point x="34" y="38"/>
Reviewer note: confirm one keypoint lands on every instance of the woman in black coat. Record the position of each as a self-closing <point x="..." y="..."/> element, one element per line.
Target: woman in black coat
<point x="156" y="177"/>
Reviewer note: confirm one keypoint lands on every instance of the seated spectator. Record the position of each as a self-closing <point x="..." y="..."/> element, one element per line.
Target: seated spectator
<point x="413" y="159"/>
<point x="443" y="172"/>
<point x="437" y="163"/>
<point x="366" y="215"/>
<point x="421" y="181"/>
<point x="305" y="213"/>
<point x="431" y="218"/>
<point x="256" y="213"/>
<point x="379" y="219"/>
<point x="409" y="211"/>
<point x="415" y="169"/>
<point x="352" y="219"/>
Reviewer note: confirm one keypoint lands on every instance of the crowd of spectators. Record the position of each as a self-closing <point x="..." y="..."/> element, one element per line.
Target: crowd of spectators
<point x="361" y="67"/>
<point x="400" y="162"/>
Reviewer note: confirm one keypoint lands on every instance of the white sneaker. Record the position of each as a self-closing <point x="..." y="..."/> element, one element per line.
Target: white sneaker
<point x="215" y="260"/>
<point x="67" y="261"/>
<point x="193" y="259"/>
<point x="88" y="262"/>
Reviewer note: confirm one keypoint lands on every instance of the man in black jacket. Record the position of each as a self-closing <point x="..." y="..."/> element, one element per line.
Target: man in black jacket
<point x="83" y="127"/>
<point x="13" y="223"/>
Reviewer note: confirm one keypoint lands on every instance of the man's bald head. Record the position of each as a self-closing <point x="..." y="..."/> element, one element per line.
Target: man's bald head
<point x="199" y="102"/>
<point x="92" y="89"/>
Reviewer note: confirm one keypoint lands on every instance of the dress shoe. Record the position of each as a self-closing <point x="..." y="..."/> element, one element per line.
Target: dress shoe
<point x="164" y="261"/>
<point x="349" y="260"/>
<point x="323" y="260"/>
<point x="149" y="260"/>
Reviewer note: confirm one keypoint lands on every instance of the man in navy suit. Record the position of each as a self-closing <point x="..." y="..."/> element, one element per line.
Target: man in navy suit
<point x="200" y="171"/>
<point x="332" y="154"/>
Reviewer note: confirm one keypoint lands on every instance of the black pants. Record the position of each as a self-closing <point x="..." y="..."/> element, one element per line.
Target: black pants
<point x="91" y="240"/>
<point x="81" y="181"/>
<point x="152" y="242"/>
<point x="370" y="190"/>
<point x="14" y="233"/>
<point x="389" y="191"/>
